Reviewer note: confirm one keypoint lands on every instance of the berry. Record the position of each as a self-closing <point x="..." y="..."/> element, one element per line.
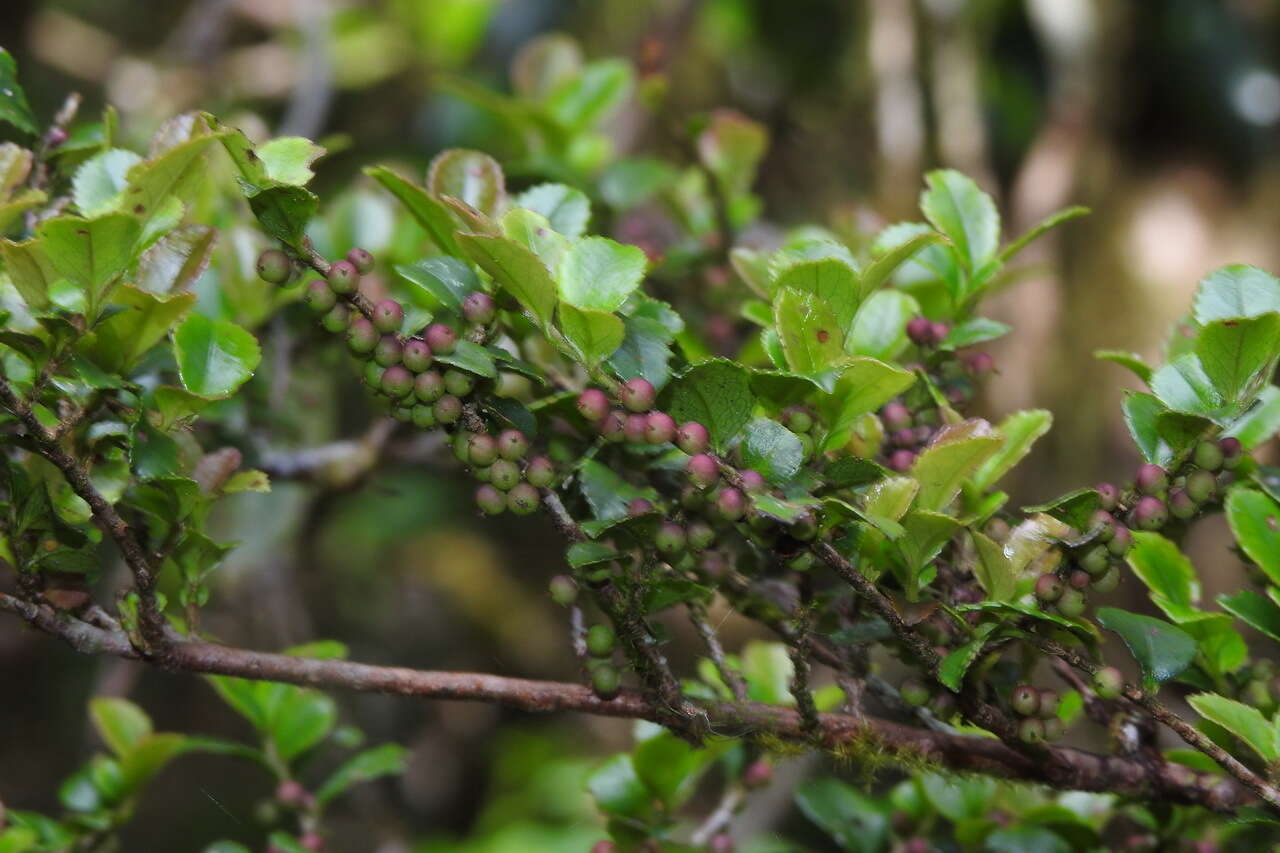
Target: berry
<point x="692" y="438"/>
<point x="441" y="338"/>
<point x="1232" y="452"/>
<point x="1095" y="560"/>
<point x="1109" y="495"/>
<point x="422" y="416"/>
<point x="458" y="382"/>
<point x="482" y="450"/>
<point x="523" y="499"/>
<point x="478" y="308"/>
<point x="1201" y="486"/>
<point x="361" y="259"/>
<point x="901" y="460"/>
<point x="373" y="375"/>
<point x="639" y="506"/>
<point x="692" y="499"/>
<point x="388" y="316"/>
<point x="397" y="382"/>
<point x="700" y="535"/>
<point x="362" y="337"/>
<point x="1107" y="581"/>
<point x="659" y="428"/>
<point x="1151" y="480"/>
<point x="593" y="405"/>
<point x="980" y="363"/>
<point x="1181" y="505"/>
<point x="670" y="539"/>
<point x="797" y="419"/>
<point x="721" y="842"/>
<point x="1048" y="704"/>
<point x="1108" y="682"/>
<point x="416" y="355"/>
<point x="1208" y="455"/>
<point x="490" y="500"/>
<point x="1078" y="579"/>
<point x="1048" y="588"/>
<point x="637" y="394"/>
<point x="731" y="504"/>
<point x="336" y="319"/>
<point x="914" y="692"/>
<point x="905" y="437"/>
<point x="895" y="416"/>
<point x="1121" y="541"/>
<point x="274" y="266"/>
<point x="291" y="793"/>
<point x="919" y="330"/>
<point x="311" y="841"/>
<point x="461" y="443"/>
<point x="318" y="296"/>
<point x="613" y="427"/>
<point x="1071" y="604"/>
<point x="504" y="474"/>
<point x="635" y="429"/>
<point x="1031" y="731"/>
<point x="758" y="774"/>
<point x="604" y="847"/>
<point x="389" y="351"/>
<point x="600" y="641"/>
<point x="752" y="481"/>
<point x="1104" y="523"/>
<point x="447" y="409"/>
<point x="702" y="470"/>
<point x="540" y="472"/>
<point x="343" y="278"/>
<point x="564" y="590"/>
<point x="428" y="387"/>
<point x="938" y="333"/>
<point x="1150" y="514"/>
<point x="512" y="444"/>
<point x="606" y="681"/>
<point x="1054" y="729"/>
<point x="1025" y="700"/>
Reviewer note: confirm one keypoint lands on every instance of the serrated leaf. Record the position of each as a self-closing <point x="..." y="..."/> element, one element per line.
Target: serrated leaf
<point x="288" y="159"/>
<point x="1183" y="385"/>
<point x="1236" y="291"/>
<point x="1136" y="363"/>
<point x="123" y="338"/>
<point x="600" y="274"/>
<point x="447" y="280"/>
<point x="771" y="449"/>
<point x="975" y="330"/>
<point x="924" y="535"/>
<point x="592" y="95"/>
<point x="472" y="358"/>
<point x="957" y="207"/>
<point x="1243" y="721"/>
<point x="1162" y="650"/>
<point x="716" y="394"/>
<point x="1019" y="432"/>
<point x="582" y="554"/>
<point x="1238" y="355"/>
<point x="100" y="181"/>
<point x="730" y="147"/>
<point x="92" y="254"/>
<point x="993" y="568"/>
<point x="594" y="334"/>
<point x="1174" y="585"/>
<point x="889" y="260"/>
<point x="954" y="454"/>
<point x="516" y="269"/>
<point x="176" y="260"/>
<point x="891" y="497"/>
<point x="567" y="209"/>
<point x="812" y="335"/>
<point x="607" y="493"/>
<point x="953" y="667"/>
<point x="831" y="280"/>
<point x="645" y="351"/>
<point x="865" y="385"/>
<point x="1261" y="422"/>
<point x="1255" y="521"/>
<point x="214" y="358"/>
<point x="1254" y="610"/>
<point x="879" y="327"/>
<point x="471" y="177"/>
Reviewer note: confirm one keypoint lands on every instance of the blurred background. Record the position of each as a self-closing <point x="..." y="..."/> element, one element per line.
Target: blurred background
<point x="1161" y="117"/>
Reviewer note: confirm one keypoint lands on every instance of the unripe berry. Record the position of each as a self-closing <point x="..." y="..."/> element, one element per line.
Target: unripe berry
<point x="523" y="499"/>
<point x="1181" y="505"/>
<point x="797" y="419"/>
<point x="593" y="405"/>
<point x="336" y="319"/>
<point x="447" y="409"/>
<point x="637" y="394"/>
<point x="659" y="428"/>
<point x="389" y="351"/>
<point x="1077" y="579"/>
<point x="919" y="331"/>
<point x="428" y="387"/>
<point x="441" y="338"/>
<point x="1107" y="581"/>
<point x="1048" y="704"/>
<point x="980" y="364"/>
<point x="700" y="535"/>
<point x="1025" y="700"/>
<point x="606" y="681"/>
<point x="731" y="504"/>
<point x="361" y="259"/>
<point x="397" y="382"/>
<point x="752" y="481"/>
<point x="600" y="641"/>
<point x="1121" y="541"/>
<point x="895" y="416"/>
<point x="274" y="266"/>
<point x="343" y="278"/>
<point x="670" y="539"/>
<point x="504" y="474"/>
<point x="461" y="444"/>
<point x="1109" y="495"/>
<point x="807" y="446"/>
<point x="388" y="316"/>
<point x="458" y="382"/>
<point x="1048" y="588"/>
<point x="482" y="450"/>
<point x="362" y="337"/>
<point x="702" y="470"/>
<point x="319" y="297"/>
<point x="692" y="499"/>
<point x="1208" y="455"/>
<point x="478" y="308"/>
<point x="938" y="333"/>
<point x="692" y="438"/>
<point x="416" y="355"/>
<point x="422" y="416"/>
<point x="1095" y="560"/>
<point x="1150" y="513"/>
<point x="914" y="692"/>
<point x="1071" y="604"/>
<point x="373" y="375"/>
<point x="1151" y="480"/>
<point x="1031" y="731"/>
<point x="512" y="444"/>
<point x="564" y="590"/>
<point x="540" y="472"/>
<point x="613" y="427"/>
<point x="639" y="506"/>
<point x="1108" y="682"/>
<point x="635" y="429"/>
<point x="901" y="460"/>
<point x="490" y="500"/>
<point x="1201" y="486"/>
<point x="1232" y="452"/>
<point x="1105" y="524"/>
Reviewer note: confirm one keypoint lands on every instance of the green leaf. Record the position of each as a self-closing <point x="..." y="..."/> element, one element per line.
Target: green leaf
<point x="100" y="181"/>
<point x="176" y="260"/>
<point x="582" y="554"/>
<point x="1038" y="230"/>
<point x="891" y="497"/>
<point x="472" y="358"/>
<point x="879" y="328"/>
<point x="121" y="723"/>
<point x="886" y="264"/>
<point x="516" y="269"/>
<point x="30" y="271"/>
<point x="288" y="159"/>
<point x="299" y="721"/>
<point x="1234" y="292"/>
<point x="1174" y="585"/>
<point x="386" y="760"/>
<point x="670" y="767"/>
<point x="1140" y="413"/>
<point x="174" y="174"/>
<point x="993" y="568"/>
<point x="924" y="535"/>
<point x="1136" y="363"/>
<point x="631" y="182"/>
<point x="864" y="386"/>
<point x="599" y="273"/>
<point x="606" y="492"/>
<point x="953" y="667"/>
<point x="975" y="330"/>
<point x="567" y="209"/>
<point x="448" y="280"/>
<point x="833" y="282"/>
<point x="1255" y="521"/>
<point x="283" y="210"/>
<point x="956" y="206"/>
<point x="1254" y="610"/>
<point x="1183" y="385"/>
<point x="812" y="335"/>
<point x="768" y="670"/>
<point x="772" y="449"/>
<point x="92" y="254"/>
<point x="149" y="756"/>
<point x="13" y="100"/>
<point x="618" y="790"/>
<point x="1243" y="721"/>
<point x="1019" y="431"/>
<point x="214" y="358"/>
<point x="1161" y="649"/>
<point x="854" y="821"/>
<point x="1239" y="355"/>
<point x="645" y="351"/>
<point x="429" y="213"/>
<point x="120" y="341"/>
<point x="955" y="453"/>
<point x="592" y="95"/>
<point x="469" y="176"/>
<point x="1260" y="423"/>
<point x="716" y="394"/>
<point x="731" y="147"/>
<point x="594" y="334"/>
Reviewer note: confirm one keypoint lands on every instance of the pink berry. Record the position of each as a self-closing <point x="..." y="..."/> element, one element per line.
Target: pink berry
<point x="637" y="394"/>
<point x="659" y="428"/>
<point x="702" y="470"/>
<point x="441" y="338"/>
<point x="593" y="405"/>
<point x="692" y="438"/>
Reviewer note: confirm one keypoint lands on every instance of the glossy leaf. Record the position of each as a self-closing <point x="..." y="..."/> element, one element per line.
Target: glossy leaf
<point x="1238" y="355"/>
<point x="865" y="385"/>
<point x="214" y="358"/>
<point x="123" y="338"/>
<point x="772" y="449"/>
<point x="1260" y="423"/>
<point x="600" y="274"/>
<point x="1243" y="721"/>
<point x="1255" y="521"/>
<point x="1134" y="362"/>
<point x="855" y="822"/>
<point x="1236" y="291"/>
<point x="516" y="269"/>
<point x="594" y="334"/>
<point x="1161" y="650"/>
<point x="469" y="176"/>
<point x="716" y="394"/>
<point x="992" y="568"/>
<point x="568" y="210"/>
<point x="957" y="207"/>
<point x="953" y="456"/>
<point x="1019" y="431"/>
<point x="812" y="335"/>
<point x="879" y="327"/>
<point x="14" y="108"/>
<point x="1257" y="611"/>
<point x="1174" y="585"/>
<point x="429" y="213"/>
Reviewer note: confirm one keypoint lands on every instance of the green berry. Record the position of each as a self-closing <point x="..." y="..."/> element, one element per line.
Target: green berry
<point x="428" y="387"/>
<point x="422" y="416"/>
<point x="319" y="297"/>
<point x="336" y="319"/>
<point x="802" y="562"/>
<point x="700" y="535"/>
<point x="523" y="499"/>
<point x="343" y="278"/>
<point x="1107" y="581"/>
<point x="1108" y="682"/>
<point x="388" y="316"/>
<point x="447" y="409"/>
<point x="362" y="337"/>
<point x="504" y="474"/>
<point x="459" y="383"/>
<point x="1048" y="704"/>
<point x="540" y="472"/>
<point x="361" y="259"/>
<point x="1095" y="560"/>
<point x="389" y="351"/>
<point x="1072" y="603"/>
<point x="490" y="500"/>
<point x="373" y="375"/>
<point x="670" y="539"/>
<point x="606" y="681"/>
<point x="397" y="382"/>
<point x="1181" y="505"/>
<point x="1054" y="729"/>
<point x="1048" y="588"/>
<point x="461" y="443"/>
<point x="1150" y="513"/>
<point x="1025" y="700"/>
<point x="564" y="590"/>
<point x="274" y="266"/>
<point x="1031" y="731"/>
<point x="404" y="414"/>
<point x="1208" y="455"/>
<point x="512" y="444"/>
<point x="1202" y="486"/>
<point x="600" y="641"/>
<point x="797" y="419"/>
<point x="914" y="692"/>
<point x="1121" y="541"/>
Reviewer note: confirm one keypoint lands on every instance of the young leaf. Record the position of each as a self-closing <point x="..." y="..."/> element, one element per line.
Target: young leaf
<point x="812" y="336"/>
<point x="956" y="206"/>
<point x="516" y="269"/>
<point x="1238" y="355"/>
<point x="1140" y="413"/>
<point x="731" y="147"/>
<point x="1019" y="430"/>
<point x="447" y="280"/>
<point x="123" y="338"/>
<point x="99" y="183"/>
<point x="386" y="760"/>
<point x="176" y="260"/>
<point x="1136" y="364"/>
<point x="1183" y="385"/>
<point x="670" y="767"/>
<point x="599" y="273"/>
<point x="1174" y="585"/>
<point x="1261" y="422"/>
<point x="469" y="176"/>
<point x="992" y="568"/>
<point x="1243" y="721"/>
<point x="1255" y="520"/>
<point x="955" y="453"/>
<point x="592" y="95"/>
<point x="1161" y="649"/>
<point x="1038" y="230"/>
<point x="879" y="327"/>
<point x="864" y="386"/>
<point x="90" y="253"/>
<point x="924" y="535"/>
<point x="953" y="667"/>
<point x="13" y="100"/>
<point x="833" y="281"/>
<point x="887" y="262"/>
<point x="567" y="209"/>
<point x="594" y="334"/>
<point x="772" y="449"/>
<point x="214" y="358"/>
<point x="617" y="788"/>
<point x="121" y="723"/>
<point x="975" y="330"/>
<point x="429" y="213"/>
<point x="716" y="394"/>
<point x="1236" y="291"/>
<point x="288" y="159"/>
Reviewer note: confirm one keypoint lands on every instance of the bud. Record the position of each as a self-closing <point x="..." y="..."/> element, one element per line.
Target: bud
<point x="523" y="499"/>
<point x="388" y="316"/>
<point x="361" y="259"/>
<point x="938" y="333"/>
<point x="1151" y="480"/>
<point x="447" y="409"/>
<point x="1108" y="682"/>
<point x="291" y="793"/>
<point x="1150" y="513"/>
<point x="901" y="460"/>
<point x="343" y="278"/>
<point x="1109" y="494"/>
<point x="637" y="394"/>
<point x="1048" y="588"/>
<point x="416" y="355"/>
<point x="659" y="428"/>
<point x="692" y="438"/>
<point x="478" y="308"/>
<point x="919" y="330"/>
<point x="905" y="437"/>
<point x="721" y="842"/>
<point x="389" y="351"/>
<point x="540" y="472"/>
<point x="1025" y="700"/>
<point x="593" y="405"/>
<point x="1201" y="486"/>
<point x="600" y="641"/>
<point x="311" y="841"/>
<point x="397" y="382"/>
<point x="441" y="338"/>
<point x="490" y="500"/>
<point x="980" y="364"/>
